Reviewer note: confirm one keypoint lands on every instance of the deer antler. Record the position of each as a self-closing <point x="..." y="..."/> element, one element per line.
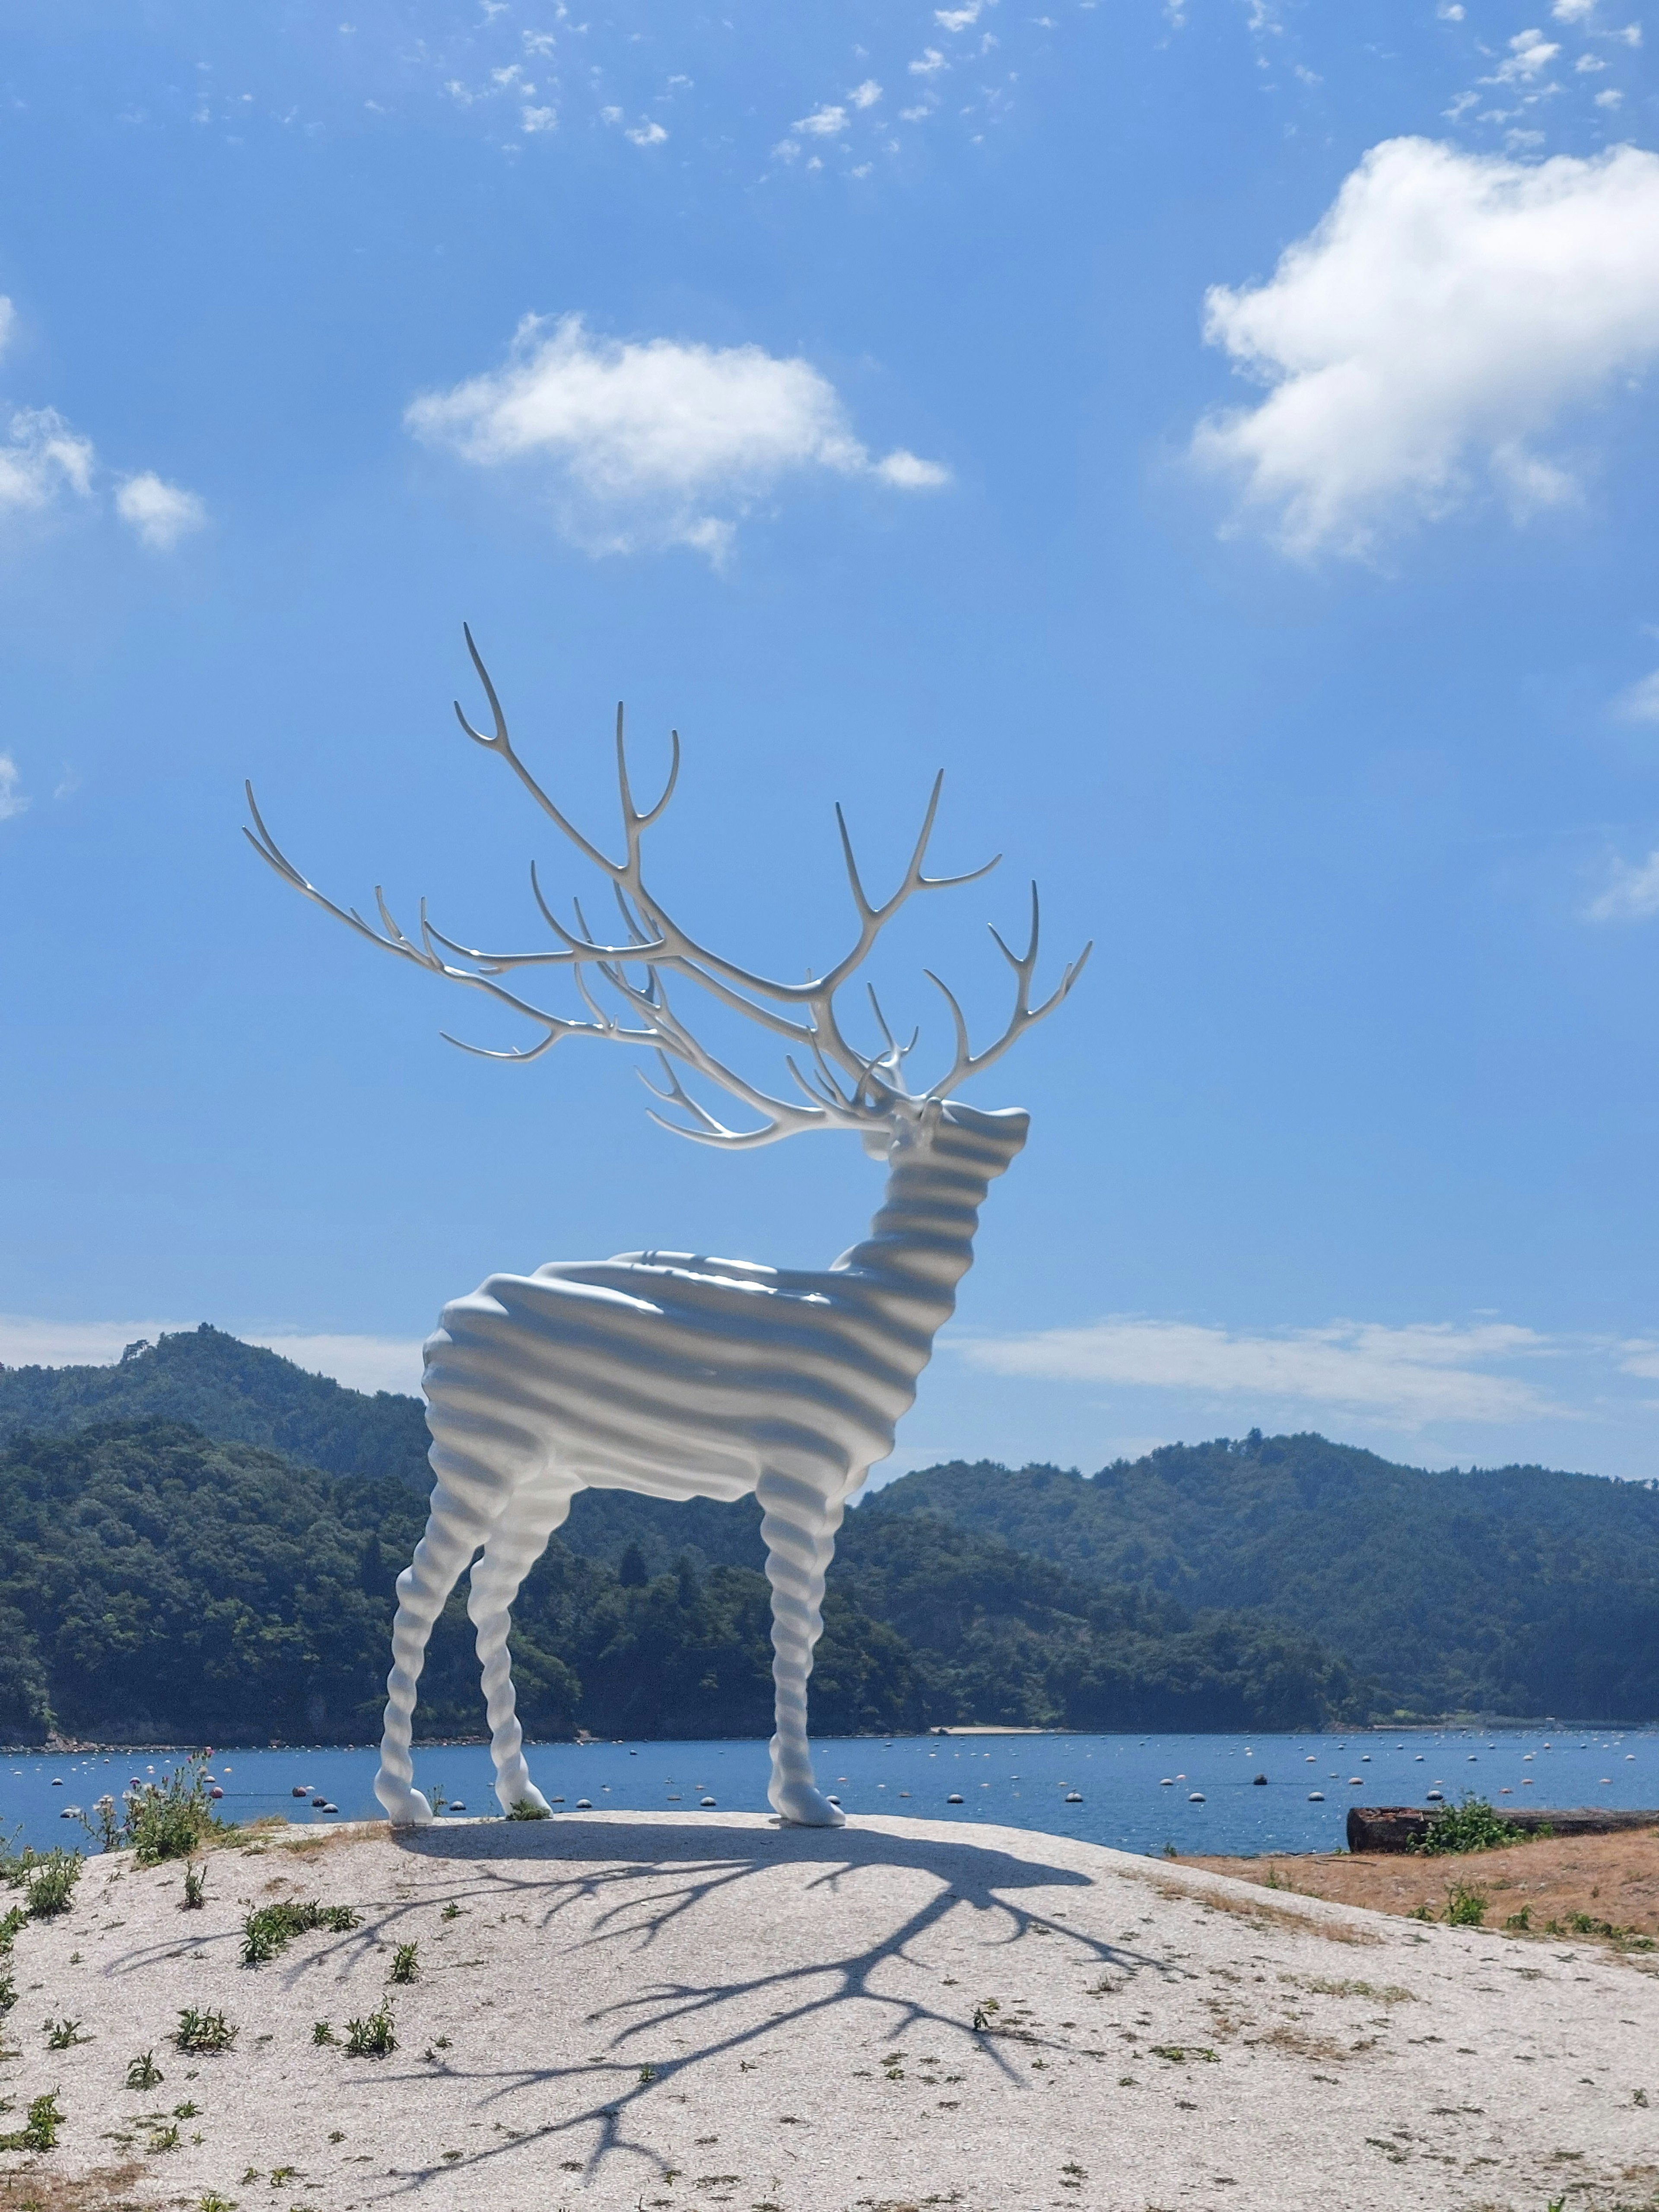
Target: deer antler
<point x="842" y="1088"/>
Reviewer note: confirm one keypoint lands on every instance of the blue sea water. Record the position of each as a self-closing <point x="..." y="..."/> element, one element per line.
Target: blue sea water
<point x="1136" y="1793"/>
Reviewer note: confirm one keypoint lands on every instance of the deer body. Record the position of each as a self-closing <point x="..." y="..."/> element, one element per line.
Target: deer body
<point x="679" y="1376"/>
<point x="667" y="1373"/>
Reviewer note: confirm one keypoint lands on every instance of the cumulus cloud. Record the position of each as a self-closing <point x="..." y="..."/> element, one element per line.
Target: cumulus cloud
<point x="1640" y="702"/>
<point x="1630" y="893"/>
<point x="160" y="513"/>
<point x="1530" y="54"/>
<point x="1448" y="309"/>
<point x="656" y="442"/>
<point x="823" y="122"/>
<point x="1427" y="1372"/>
<point x="12" y="800"/>
<point x="41" y="460"/>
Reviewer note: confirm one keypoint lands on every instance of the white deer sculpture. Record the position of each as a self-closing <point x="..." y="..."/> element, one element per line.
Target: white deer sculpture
<point x="669" y="1373"/>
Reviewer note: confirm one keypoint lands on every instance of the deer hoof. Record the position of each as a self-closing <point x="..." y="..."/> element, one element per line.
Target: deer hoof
<point x="803" y="1806"/>
<point x="404" y="1808"/>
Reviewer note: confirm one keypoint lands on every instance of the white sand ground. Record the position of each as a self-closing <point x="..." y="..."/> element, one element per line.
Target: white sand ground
<point x="651" y="2010"/>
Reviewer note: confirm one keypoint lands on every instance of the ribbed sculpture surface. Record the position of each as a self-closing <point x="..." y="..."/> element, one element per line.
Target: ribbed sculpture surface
<point x="672" y="1374"/>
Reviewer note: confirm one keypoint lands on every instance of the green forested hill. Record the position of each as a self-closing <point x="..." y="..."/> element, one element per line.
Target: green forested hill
<point x="1512" y="1590"/>
<point x="235" y="1579"/>
<point x="234" y="1392"/>
<point x="155" y="1585"/>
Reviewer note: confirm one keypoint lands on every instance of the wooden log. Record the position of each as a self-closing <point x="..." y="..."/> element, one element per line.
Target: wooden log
<point x="1397" y="1827"/>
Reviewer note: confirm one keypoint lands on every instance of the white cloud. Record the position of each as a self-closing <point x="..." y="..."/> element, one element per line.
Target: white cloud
<point x="1450" y="11"/>
<point x="532" y="119"/>
<point x="1429" y="1371"/>
<point x="161" y="513"/>
<point x="823" y="122"/>
<point x="959" y="19"/>
<point x="1571" y="11"/>
<point x="362" y="1363"/>
<point x="1530" y="54"/>
<point x="931" y="61"/>
<point x="1640" y="703"/>
<point x="647" y="134"/>
<point x="1630" y="894"/>
<point x="41" y="458"/>
<point x="1446" y="308"/>
<point x="657" y="442"/>
<point x="1610" y="99"/>
<point x="12" y="800"/>
<point x="865" y="94"/>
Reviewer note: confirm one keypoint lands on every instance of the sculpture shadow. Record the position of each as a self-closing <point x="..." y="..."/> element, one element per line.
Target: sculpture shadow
<point x="631" y="1881"/>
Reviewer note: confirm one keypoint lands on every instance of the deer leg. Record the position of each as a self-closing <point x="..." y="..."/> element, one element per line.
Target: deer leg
<point x="799" y="1530"/>
<point x="516" y="1543"/>
<point x="454" y="1530"/>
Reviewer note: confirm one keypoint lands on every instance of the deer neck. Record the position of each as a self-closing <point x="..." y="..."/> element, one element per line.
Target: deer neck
<point x="920" y="1243"/>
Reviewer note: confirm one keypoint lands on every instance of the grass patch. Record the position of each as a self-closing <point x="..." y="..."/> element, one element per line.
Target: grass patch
<point x="203" y="2031"/>
<point x="524" y="1810"/>
<point x="405" y="1963"/>
<point x="39" y="2130"/>
<point x="47" y="1880"/>
<point x="157" y="1821"/>
<point x="268" y="1931"/>
<point x="1473" y="1824"/>
<point x="1466" y="1904"/>
<point x="372" y="2038"/>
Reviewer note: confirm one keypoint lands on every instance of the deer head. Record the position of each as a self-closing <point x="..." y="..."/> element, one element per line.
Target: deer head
<point x="840" y="1087"/>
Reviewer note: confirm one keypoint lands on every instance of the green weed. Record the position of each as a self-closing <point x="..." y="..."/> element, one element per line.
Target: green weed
<point x="372" y="2037"/>
<point x="1466" y="1906"/>
<point x="195" y="1888"/>
<point x="321" y="2032"/>
<point x="268" y="1931"/>
<point x="64" y="2034"/>
<point x="203" y="2031"/>
<point x="405" y="1963"/>
<point x="1472" y="1825"/>
<point x="142" y="2072"/>
<point x="39" y="2130"/>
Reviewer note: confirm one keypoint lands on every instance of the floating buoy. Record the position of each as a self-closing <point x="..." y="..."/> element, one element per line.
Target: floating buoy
<point x="830" y="1795"/>
<point x="1356" y="1781"/>
<point x="1168" y="1783"/>
<point x="318" y="1803"/>
<point x="56" y="1781"/>
<point x="709" y="1800"/>
<point x="1365" y="1758"/>
<point x="955" y="1797"/>
<point x="1260" y="1781"/>
<point x="1434" y="1797"/>
<point x="1073" y="1797"/>
<point x="215" y="1793"/>
<point x="584" y="1805"/>
<point x="300" y="1789"/>
<point x="331" y="1807"/>
<point x="1195" y="1797"/>
<point x="456" y="1805"/>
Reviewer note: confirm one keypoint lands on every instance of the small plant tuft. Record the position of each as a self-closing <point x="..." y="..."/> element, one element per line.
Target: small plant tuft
<point x="1466" y="1906"/>
<point x="195" y="1888"/>
<point x="64" y="2034"/>
<point x="39" y="2130"/>
<point x="47" y="1880"/>
<point x="142" y="2072"/>
<point x="322" y="2032"/>
<point x="371" y="2038"/>
<point x="405" y="1963"/>
<point x="203" y="2031"/>
<point x="1472" y="1825"/>
<point x="211" y="2200"/>
<point x="158" y="1820"/>
<point x="451" y="1912"/>
<point x="268" y="1931"/>
<point x="525" y="1810"/>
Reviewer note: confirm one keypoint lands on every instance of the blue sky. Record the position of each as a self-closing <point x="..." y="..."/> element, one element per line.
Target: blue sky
<point x="1219" y="436"/>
